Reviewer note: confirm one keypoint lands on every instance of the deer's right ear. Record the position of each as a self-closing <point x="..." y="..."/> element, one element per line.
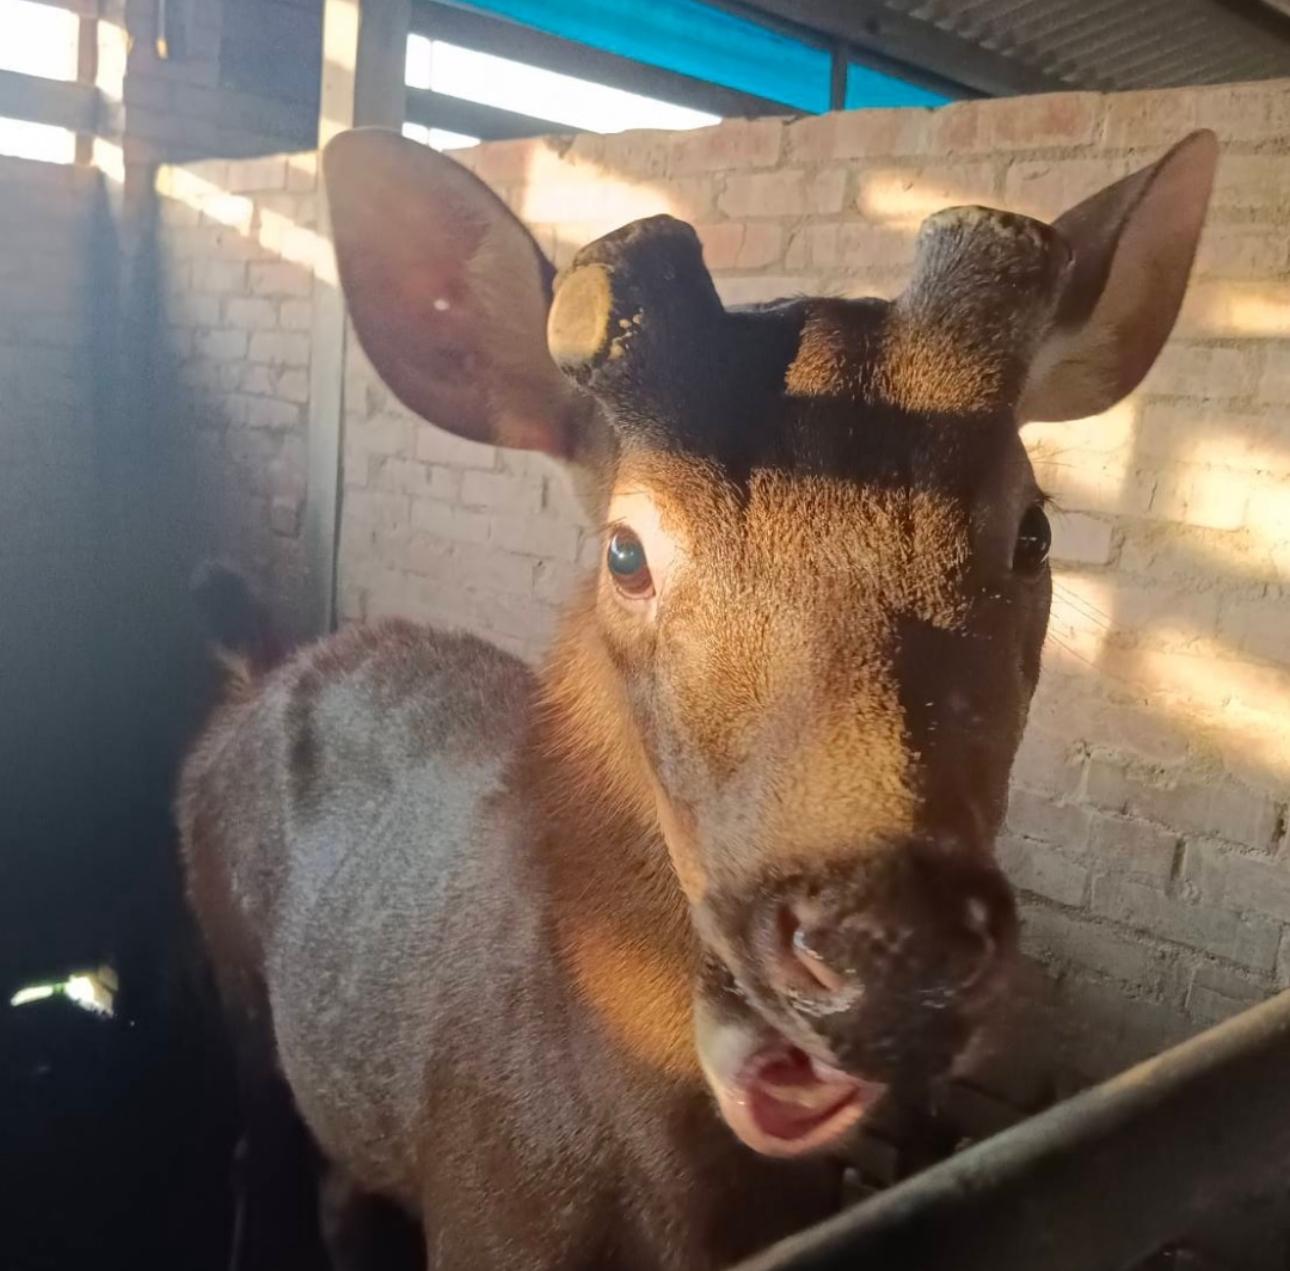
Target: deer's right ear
<point x="448" y="292"/>
<point x="1132" y="249"/>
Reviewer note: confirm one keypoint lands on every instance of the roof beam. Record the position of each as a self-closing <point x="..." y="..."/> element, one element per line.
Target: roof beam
<point x="906" y="42"/>
<point x="65" y="104"/>
<point x="488" y="123"/>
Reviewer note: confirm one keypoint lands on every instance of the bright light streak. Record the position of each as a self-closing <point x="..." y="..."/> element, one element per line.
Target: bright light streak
<point x="23" y="139"/>
<point x="439" y="138"/>
<point x="530" y="90"/>
<point x="39" y="39"/>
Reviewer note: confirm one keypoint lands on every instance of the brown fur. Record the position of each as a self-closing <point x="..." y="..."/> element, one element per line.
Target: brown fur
<point x="489" y="925"/>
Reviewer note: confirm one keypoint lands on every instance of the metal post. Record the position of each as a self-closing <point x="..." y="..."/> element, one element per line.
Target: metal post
<point x="1095" y="1184"/>
<point x="838" y="66"/>
<point x="364" y="52"/>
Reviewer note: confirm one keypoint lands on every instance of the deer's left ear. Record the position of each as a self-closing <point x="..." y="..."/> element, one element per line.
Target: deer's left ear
<point x="1132" y="246"/>
<point x="448" y="293"/>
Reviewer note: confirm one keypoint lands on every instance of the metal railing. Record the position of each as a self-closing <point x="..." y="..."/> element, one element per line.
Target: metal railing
<point x="1097" y="1183"/>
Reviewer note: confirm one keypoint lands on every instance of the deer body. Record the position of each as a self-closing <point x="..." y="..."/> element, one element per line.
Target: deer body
<point x="599" y="967"/>
<point x="408" y="932"/>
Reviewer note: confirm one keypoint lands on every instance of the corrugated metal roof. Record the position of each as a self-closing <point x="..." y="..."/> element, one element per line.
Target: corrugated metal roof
<point x="1112" y="44"/>
<point x="1001" y="47"/>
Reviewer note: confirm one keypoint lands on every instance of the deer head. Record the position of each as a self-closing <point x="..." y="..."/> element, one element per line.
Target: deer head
<point x="823" y="592"/>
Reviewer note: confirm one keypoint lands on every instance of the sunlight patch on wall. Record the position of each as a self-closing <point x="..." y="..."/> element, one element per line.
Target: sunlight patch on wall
<point x="554" y="185"/>
<point x="113" y="55"/>
<point x="274" y="231"/>
<point x="45" y="143"/>
<point x="1081" y="615"/>
<point x="1236" y="310"/>
<point x="297" y="244"/>
<point x="907" y="196"/>
<point x="109" y="159"/>
<point x="1243" y="705"/>
<point x="1110" y="431"/>
<point x="1267" y="518"/>
<point x="1080" y="481"/>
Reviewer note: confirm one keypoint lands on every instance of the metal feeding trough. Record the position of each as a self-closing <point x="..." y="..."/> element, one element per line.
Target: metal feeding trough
<point x="1097" y="1183"/>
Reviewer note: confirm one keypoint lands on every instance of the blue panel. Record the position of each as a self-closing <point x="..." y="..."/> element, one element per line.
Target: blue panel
<point x="867" y="87"/>
<point x="689" y="37"/>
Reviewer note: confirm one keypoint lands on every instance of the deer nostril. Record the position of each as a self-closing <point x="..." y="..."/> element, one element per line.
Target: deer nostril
<point x="802" y="966"/>
<point x="817" y="968"/>
<point x="986" y="924"/>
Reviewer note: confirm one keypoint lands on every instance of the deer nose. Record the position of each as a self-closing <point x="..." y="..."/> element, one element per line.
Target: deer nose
<point x="928" y="935"/>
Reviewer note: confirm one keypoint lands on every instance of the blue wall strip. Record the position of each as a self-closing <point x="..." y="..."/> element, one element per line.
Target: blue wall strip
<point x="693" y="38"/>
<point x="867" y="87"/>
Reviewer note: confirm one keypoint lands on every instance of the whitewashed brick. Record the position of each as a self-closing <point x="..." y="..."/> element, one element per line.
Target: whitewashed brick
<point x="254" y="175"/>
<point x="284" y="515"/>
<point x="396" y="472"/>
<point x="784" y="193"/>
<point x="454" y="524"/>
<point x="251" y="314"/>
<point x="222" y="276"/>
<point x="381" y="434"/>
<point x="1246" y="940"/>
<point x="1131" y="847"/>
<point x="1223" y="809"/>
<point x="280" y="348"/>
<point x="435" y="445"/>
<point x="295" y="315"/>
<point x="221" y="346"/>
<point x="1080" y="539"/>
<point x="1032" y="867"/>
<point x="1077" y="939"/>
<point x="1036" y="816"/>
<point x="1232" y="880"/>
<point x="279" y="278"/>
<point x="497" y="490"/>
<point x="536" y="536"/>
<point x="268" y="413"/>
<point x="1217" y="993"/>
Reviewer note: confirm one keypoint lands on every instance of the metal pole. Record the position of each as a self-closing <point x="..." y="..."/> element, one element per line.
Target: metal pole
<point x="838" y="76"/>
<point x="364" y="49"/>
<point x="1095" y="1184"/>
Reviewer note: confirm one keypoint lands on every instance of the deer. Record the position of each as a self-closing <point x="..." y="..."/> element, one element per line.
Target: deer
<point x="605" y="964"/>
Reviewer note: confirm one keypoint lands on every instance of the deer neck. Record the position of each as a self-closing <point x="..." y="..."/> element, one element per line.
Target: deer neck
<point x="621" y="921"/>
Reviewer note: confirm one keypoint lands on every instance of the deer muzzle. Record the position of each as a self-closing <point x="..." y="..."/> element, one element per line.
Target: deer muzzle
<point x="874" y="973"/>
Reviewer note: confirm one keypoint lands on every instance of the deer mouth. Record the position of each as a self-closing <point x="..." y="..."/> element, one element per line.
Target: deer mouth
<point x="784" y="1102"/>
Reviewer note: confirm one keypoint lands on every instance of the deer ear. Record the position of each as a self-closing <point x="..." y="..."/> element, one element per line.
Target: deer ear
<point x="448" y="292"/>
<point x="1132" y="250"/>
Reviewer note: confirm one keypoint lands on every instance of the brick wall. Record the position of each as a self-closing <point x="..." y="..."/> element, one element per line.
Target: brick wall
<point x="213" y="255"/>
<point x="1148" y="825"/>
<point x="239" y="253"/>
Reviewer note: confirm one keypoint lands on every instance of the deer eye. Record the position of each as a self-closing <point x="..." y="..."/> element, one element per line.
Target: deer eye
<point x="1034" y="538"/>
<point x="627" y="565"/>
